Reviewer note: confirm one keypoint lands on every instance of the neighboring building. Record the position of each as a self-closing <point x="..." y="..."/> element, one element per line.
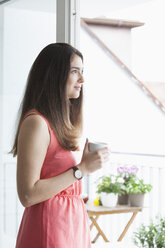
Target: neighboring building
<point x="158" y="89"/>
<point x="120" y="109"/>
<point x="123" y="111"/>
<point x="112" y="32"/>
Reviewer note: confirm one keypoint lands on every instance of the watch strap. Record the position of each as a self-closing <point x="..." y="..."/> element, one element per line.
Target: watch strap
<point x="74" y="168"/>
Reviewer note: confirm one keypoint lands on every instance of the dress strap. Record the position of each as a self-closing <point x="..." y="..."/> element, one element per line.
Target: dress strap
<point x="35" y="112"/>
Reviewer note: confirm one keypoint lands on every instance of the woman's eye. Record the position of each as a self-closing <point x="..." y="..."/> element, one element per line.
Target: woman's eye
<point x="74" y="71"/>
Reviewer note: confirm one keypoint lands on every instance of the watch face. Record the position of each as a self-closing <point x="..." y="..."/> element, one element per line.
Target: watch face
<point x="78" y="174"/>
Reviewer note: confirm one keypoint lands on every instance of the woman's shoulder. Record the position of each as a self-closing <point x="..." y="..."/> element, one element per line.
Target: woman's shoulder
<point x="35" y="119"/>
<point x="38" y="125"/>
<point x="34" y="125"/>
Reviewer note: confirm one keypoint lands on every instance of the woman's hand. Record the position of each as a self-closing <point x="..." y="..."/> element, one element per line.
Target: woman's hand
<point x="92" y="161"/>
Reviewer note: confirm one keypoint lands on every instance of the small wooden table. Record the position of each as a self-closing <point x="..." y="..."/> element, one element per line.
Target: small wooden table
<point x="95" y="211"/>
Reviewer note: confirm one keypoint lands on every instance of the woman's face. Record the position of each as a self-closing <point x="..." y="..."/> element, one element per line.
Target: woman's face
<point x="75" y="78"/>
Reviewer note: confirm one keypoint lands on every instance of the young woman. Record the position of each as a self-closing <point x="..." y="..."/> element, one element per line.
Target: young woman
<point x="48" y="178"/>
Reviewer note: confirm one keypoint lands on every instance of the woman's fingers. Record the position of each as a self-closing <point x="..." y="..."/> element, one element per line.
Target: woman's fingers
<point x="105" y="155"/>
<point x="93" y="161"/>
<point x="104" y="151"/>
<point x="106" y="159"/>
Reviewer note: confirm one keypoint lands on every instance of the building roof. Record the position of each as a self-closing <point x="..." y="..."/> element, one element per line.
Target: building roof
<point x="123" y="66"/>
<point x="113" y="22"/>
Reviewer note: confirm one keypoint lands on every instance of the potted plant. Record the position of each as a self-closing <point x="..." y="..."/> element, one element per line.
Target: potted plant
<point x="136" y="188"/>
<point x="152" y="235"/>
<point x="126" y="173"/>
<point x="109" y="187"/>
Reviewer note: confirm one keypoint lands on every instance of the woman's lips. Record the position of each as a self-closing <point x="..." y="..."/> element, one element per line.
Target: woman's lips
<point x="77" y="87"/>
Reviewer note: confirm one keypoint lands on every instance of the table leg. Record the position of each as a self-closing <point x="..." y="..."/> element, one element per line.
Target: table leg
<point x="127" y="226"/>
<point x="100" y="232"/>
<point x="95" y="239"/>
<point x="96" y="218"/>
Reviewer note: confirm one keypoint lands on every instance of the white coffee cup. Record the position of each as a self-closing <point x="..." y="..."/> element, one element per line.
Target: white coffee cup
<point x="95" y="146"/>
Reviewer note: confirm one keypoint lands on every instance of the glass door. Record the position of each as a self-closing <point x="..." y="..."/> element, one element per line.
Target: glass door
<point x="26" y="26"/>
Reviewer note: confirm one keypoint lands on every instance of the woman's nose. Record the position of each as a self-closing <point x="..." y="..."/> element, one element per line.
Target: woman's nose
<point x="81" y="78"/>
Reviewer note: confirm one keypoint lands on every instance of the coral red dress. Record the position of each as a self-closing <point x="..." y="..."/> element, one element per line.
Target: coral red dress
<point x="61" y="221"/>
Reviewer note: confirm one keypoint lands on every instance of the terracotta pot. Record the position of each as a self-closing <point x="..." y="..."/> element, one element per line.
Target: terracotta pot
<point x="123" y="199"/>
<point x="108" y="199"/>
<point x="136" y="200"/>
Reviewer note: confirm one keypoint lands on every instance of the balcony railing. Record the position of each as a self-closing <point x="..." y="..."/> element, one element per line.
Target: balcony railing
<point x="151" y="168"/>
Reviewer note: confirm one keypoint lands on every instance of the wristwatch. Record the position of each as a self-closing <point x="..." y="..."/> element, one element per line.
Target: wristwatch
<point x="77" y="173"/>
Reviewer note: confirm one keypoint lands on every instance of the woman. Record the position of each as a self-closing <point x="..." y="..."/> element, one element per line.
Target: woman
<point x="48" y="179"/>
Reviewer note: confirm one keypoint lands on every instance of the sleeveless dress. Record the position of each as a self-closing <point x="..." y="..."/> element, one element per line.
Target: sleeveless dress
<point x="61" y="221"/>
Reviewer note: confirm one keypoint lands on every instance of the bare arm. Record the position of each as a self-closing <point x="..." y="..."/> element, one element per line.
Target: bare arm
<point x="33" y="142"/>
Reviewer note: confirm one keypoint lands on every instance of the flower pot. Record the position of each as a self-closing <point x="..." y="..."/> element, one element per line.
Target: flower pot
<point x="123" y="199"/>
<point x="136" y="200"/>
<point x="108" y="199"/>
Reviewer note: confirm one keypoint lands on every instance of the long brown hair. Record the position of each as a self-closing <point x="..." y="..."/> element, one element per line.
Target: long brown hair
<point x="46" y="92"/>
